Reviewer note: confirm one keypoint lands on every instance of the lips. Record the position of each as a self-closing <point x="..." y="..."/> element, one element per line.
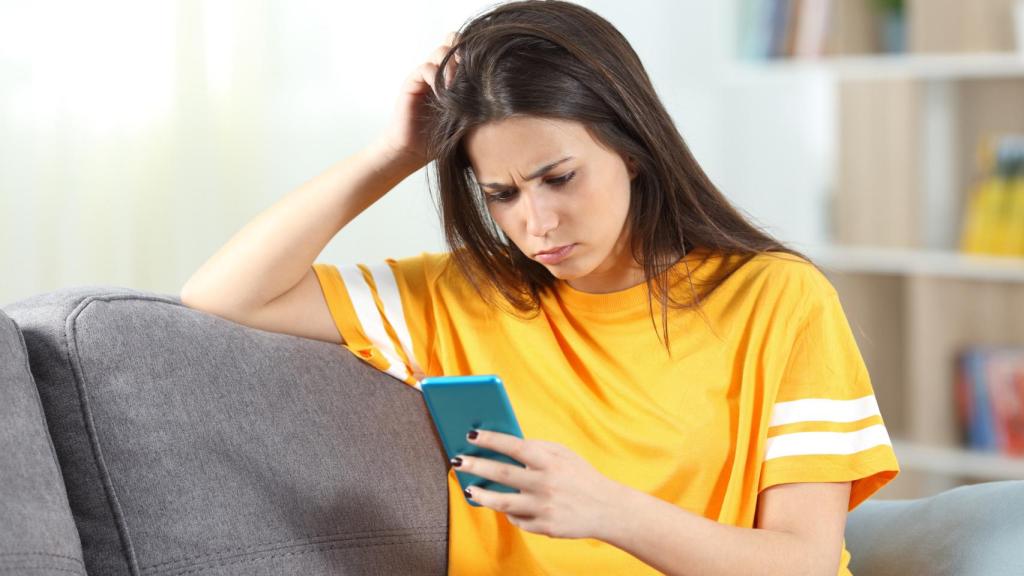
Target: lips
<point x="553" y="250"/>
<point x="555" y="255"/>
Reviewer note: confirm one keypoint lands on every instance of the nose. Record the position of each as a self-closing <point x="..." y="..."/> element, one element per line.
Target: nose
<point x="541" y="216"/>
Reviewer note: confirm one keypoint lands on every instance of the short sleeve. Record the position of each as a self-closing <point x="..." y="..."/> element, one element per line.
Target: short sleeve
<point x="383" y="312"/>
<point x="825" y="423"/>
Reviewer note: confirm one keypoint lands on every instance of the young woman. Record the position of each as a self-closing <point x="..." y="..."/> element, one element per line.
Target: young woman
<point x="691" y="394"/>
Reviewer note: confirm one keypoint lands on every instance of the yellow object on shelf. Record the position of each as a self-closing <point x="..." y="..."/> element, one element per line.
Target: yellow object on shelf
<point x="1016" y="214"/>
<point x="1002" y="225"/>
<point x="994" y="220"/>
<point x="984" y="229"/>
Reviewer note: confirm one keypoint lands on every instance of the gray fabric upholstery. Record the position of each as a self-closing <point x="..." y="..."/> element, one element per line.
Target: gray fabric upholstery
<point x="37" y="534"/>
<point x="190" y="444"/>
<point x="975" y="530"/>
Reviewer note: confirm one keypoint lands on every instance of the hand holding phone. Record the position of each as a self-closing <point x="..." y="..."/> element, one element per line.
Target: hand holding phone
<point x="458" y="404"/>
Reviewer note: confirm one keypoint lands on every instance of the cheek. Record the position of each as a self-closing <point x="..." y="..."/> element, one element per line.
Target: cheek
<point x="504" y="219"/>
<point x="615" y="201"/>
<point x="616" y="217"/>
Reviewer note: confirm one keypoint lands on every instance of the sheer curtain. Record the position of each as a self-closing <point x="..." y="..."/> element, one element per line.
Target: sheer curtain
<point x="137" y="137"/>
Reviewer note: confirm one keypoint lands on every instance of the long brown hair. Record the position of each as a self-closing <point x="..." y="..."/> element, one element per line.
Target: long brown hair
<point x="555" y="59"/>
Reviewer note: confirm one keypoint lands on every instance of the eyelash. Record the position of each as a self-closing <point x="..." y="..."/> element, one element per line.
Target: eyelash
<point x="556" y="182"/>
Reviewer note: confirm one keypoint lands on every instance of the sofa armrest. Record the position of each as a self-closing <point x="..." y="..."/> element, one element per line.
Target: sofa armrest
<point x="37" y="533"/>
<point x="975" y="530"/>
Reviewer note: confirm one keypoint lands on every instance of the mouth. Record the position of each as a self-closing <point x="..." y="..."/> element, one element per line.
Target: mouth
<point x="554" y="255"/>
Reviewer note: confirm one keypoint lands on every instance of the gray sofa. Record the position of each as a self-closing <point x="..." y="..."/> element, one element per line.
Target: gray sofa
<point x="143" y="437"/>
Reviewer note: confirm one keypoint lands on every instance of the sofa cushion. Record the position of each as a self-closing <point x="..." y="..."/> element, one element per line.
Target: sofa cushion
<point x="974" y="530"/>
<point x="37" y="533"/>
<point x="195" y="445"/>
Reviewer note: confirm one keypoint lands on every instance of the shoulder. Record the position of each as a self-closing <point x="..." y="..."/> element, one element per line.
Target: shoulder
<point x="801" y="291"/>
<point x="781" y="275"/>
<point x="770" y="283"/>
<point x="435" y="272"/>
<point x="427" y="265"/>
<point x="792" y="273"/>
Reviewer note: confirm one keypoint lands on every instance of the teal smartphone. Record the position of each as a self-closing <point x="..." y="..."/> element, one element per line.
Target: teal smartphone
<point x="457" y="404"/>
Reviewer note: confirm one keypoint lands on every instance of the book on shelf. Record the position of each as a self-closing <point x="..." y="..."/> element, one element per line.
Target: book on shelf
<point x="994" y="219"/>
<point x="990" y="398"/>
<point x="808" y="29"/>
<point x="782" y="28"/>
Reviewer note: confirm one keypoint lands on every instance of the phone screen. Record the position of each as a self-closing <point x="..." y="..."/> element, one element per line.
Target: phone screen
<point x="458" y="404"/>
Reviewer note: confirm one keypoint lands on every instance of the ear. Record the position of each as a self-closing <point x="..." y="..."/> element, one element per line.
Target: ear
<point x="631" y="167"/>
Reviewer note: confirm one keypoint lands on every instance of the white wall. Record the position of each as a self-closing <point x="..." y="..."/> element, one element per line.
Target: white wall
<point x="137" y="137"/>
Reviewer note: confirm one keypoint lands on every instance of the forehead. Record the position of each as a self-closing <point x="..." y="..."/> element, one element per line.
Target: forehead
<point x="519" y="145"/>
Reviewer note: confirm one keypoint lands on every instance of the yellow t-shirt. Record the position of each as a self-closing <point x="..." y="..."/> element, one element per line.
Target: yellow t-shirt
<point x="776" y="393"/>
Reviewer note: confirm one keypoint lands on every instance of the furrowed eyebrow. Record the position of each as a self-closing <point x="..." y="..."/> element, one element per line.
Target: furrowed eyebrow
<point x="536" y="174"/>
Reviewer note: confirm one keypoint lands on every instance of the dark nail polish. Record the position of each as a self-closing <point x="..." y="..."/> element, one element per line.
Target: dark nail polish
<point x="472" y="434"/>
<point x="456" y="461"/>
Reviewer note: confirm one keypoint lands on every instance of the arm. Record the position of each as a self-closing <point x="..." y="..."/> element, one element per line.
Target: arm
<point x="798" y="530"/>
<point x="798" y="527"/>
<point x="276" y="250"/>
<point x="264" y="275"/>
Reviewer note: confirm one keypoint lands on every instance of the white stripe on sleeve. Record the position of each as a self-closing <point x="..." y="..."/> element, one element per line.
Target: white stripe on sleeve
<point x="808" y="443"/>
<point x="824" y="410"/>
<point x="387" y="289"/>
<point x="366" y="310"/>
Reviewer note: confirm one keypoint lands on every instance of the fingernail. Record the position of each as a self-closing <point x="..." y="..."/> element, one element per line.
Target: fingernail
<point x="472" y="434"/>
<point x="456" y="461"/>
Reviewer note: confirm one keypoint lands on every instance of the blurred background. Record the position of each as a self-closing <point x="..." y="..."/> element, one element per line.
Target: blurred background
<point x="882" y="138"/>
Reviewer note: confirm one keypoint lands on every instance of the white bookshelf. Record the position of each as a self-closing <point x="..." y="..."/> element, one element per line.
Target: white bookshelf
<point x="898" y="136"/>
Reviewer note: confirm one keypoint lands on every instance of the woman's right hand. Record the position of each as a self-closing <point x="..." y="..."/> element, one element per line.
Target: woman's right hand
<point x="404" y="139"/>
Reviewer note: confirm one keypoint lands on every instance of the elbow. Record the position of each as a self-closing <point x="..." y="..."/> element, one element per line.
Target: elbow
<point x="188" y="296"/>
<point x="194" y="299"/>
<point x="204" y="302"/>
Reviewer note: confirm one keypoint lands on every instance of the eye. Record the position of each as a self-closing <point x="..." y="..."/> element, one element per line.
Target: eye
<point x="562" y="181"/>
<point x="503" y="196"/>
<point x="508" y="195"/>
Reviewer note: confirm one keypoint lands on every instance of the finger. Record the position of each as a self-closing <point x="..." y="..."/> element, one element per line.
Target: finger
<point x="440" y="51"/>
<point x="414" y="82"/>
<point x="515" y="504"/>
<point x="501" y="472"/>
<point x="450" y="70"/>
<point x="427" y="72"/>
<point x="507" y="444"/>
<point x="437" y="56"/>
<point x="453" y="38"/>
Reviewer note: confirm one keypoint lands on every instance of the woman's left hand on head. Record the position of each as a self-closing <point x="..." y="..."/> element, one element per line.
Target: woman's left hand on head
<point x="560" y="494"/>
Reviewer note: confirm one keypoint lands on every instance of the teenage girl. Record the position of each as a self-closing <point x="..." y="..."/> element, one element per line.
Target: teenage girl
<point x="691" y="395"/>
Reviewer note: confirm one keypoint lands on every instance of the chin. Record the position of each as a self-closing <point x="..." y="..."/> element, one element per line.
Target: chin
<point x="561" y="274"/>
<point x="566" y="272"/>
